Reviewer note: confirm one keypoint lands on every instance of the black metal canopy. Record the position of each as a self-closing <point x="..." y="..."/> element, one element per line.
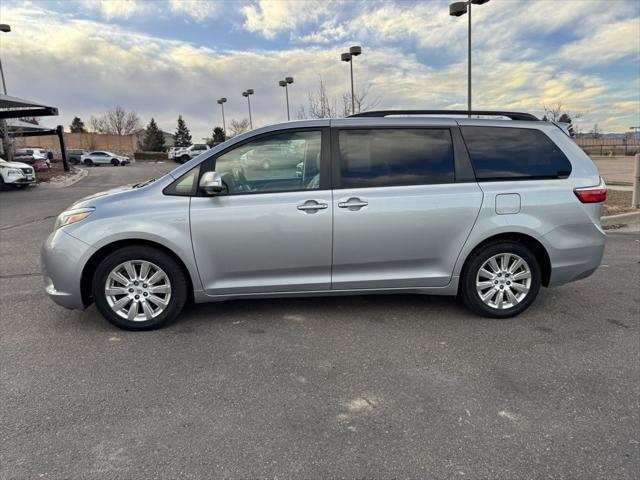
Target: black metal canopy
<point x="14" y="107"/>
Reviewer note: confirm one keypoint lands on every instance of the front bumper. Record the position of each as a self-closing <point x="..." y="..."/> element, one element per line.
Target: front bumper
<point x="62" y="259"/>
<point x="20" y="181"/>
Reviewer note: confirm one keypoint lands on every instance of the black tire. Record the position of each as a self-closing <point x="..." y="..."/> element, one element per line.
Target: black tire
<point x="2" y="184"/>
<point x="88" y="162"/>
<point x="115" y="162"/>
<point x="177" y="277"/>
<point x="467" y="289"/>
<point x="184" y="158"/>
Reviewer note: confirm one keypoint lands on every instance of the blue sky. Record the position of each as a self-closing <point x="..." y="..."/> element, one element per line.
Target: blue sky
<point x="165" y="58"/>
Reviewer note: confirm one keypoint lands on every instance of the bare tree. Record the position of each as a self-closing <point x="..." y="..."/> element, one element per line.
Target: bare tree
<point x="121" y="122"/>
<point x="238" y="126"/>
<point x="361" y="98"/>
<point x="116" y="121"/>
<point x="321" y="105"/>
<point x="557" y="114"/>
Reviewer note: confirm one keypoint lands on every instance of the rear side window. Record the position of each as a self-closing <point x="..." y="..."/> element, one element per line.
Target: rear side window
<point x="503" y="153"/>
<point x="394" y="157"/>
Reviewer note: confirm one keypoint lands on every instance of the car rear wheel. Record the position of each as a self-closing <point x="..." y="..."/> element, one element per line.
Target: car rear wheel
<point x="185" y="158"/>
<point x="500" y="280"/>
<point x="88" y="162"/>
<point x="115" y="162"/>
<point x="139" y="288"/>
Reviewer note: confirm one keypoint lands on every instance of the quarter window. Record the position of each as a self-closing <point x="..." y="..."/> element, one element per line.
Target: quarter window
<point x="281" y="162"/>
<point x="393" y="157"/>
<point x="507" y="153"/>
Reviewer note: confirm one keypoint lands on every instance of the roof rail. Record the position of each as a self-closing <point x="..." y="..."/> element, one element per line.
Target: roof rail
<point x="386" y="113"/>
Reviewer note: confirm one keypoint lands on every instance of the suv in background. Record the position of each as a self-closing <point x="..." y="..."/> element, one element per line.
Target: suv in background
<point x="384" y="202"/>
<point x="186" y="154"/>
<point x="16" y="174"/>
<point x="100" y="157"/>
<point x="75" y="155"/>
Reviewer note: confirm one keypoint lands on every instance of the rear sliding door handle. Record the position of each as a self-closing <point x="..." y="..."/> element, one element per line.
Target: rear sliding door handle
<point x="354" y="203"/>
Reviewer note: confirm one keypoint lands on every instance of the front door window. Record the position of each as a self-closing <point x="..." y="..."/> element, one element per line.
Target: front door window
<point x="277" y="163"/>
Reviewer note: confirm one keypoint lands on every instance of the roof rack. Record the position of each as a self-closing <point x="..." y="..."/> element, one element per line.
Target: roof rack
<point x="386" y="113"/>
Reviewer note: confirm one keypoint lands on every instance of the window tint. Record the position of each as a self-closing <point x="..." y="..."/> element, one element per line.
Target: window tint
<point x="512" y="153"/>
<point x="280" y="162"/>
<point x="388" y="157"/>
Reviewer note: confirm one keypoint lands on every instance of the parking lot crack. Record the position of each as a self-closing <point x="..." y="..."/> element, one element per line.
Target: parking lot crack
<point x="10" y="227"/>
<point x="17" y="275"/>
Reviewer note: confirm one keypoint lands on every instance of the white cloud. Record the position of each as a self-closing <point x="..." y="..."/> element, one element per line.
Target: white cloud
<point x="605" y="44"/>
<point x="269" y="17"/>
<point x="111" y="9"/>
<point x="199" y="10"/>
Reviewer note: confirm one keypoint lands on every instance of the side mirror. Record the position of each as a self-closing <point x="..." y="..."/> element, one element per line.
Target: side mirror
<point x="211" y="183"/>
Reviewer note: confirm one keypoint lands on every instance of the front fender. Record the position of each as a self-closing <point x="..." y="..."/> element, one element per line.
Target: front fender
<point x="160" y="219"/>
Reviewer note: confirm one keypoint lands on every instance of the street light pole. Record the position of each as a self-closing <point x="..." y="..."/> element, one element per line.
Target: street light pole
<point x="348" y="57"/>
<point x="224" y="126"/>
<point x="3" y="124"/>
<point x="458" y="9"/>
<point x="247" y="93"/>
<point x="284" y="83"/>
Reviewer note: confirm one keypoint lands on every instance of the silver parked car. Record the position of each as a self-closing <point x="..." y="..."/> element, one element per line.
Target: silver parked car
<point x="382" y="202"/>
<point x="99" y="157"/>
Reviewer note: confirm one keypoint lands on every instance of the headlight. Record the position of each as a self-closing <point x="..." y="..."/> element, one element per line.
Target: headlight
<point x="14" y="171"/>
<point x="73" y="216"/>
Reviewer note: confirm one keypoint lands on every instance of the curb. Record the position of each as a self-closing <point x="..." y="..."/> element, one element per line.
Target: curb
<point x="621" y="219"/>
<point x="68" y="181"/>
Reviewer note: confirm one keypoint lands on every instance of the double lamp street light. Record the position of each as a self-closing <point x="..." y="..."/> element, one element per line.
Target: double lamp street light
<point x="348" y="57"/>
<point x="284" y="83"/>
<point x="457" y="9"/>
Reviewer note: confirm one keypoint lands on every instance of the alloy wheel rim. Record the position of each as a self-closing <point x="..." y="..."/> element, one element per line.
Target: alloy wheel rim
<point x="503" y="281"/>
<point x="138" y="290"/>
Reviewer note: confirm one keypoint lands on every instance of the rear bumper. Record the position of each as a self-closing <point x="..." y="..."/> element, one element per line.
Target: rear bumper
<point x="575" y="252"/>
<point x="62" y="259"/>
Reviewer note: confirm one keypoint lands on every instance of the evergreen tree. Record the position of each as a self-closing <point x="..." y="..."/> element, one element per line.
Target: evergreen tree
<point x="182" y="136"/>
<point x="153" y="138"/>
<point x="77" y="126"/>
<point x="218" y="135"/>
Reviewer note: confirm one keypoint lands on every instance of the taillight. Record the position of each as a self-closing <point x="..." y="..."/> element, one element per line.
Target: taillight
<point x="591" y="194"/>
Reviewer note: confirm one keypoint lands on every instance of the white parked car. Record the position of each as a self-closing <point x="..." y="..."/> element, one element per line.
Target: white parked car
<point x="99" y="157"/>
<point x="186" y="154"/>
<point x="16" y="173"/>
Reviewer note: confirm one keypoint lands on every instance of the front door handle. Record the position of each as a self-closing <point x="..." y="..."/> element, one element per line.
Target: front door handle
<point x="312" y="205"/>
<point x="353" y="203"/>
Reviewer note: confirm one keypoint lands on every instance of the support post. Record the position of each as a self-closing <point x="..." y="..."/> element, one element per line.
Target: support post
<point x="63" y="150"/>
<point x="635" y="199"/>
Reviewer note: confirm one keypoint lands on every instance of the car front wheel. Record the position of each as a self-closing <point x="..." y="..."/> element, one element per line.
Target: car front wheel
<point x="500" y="280"/>
<point x="115" y="162"/>
<point x="139" y="288"/>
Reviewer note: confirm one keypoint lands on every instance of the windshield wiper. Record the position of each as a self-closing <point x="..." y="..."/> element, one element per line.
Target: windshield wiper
<point x="144" y="184"/>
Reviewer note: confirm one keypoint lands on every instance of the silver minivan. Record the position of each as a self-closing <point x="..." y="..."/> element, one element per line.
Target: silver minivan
<point x="381" y="202"/>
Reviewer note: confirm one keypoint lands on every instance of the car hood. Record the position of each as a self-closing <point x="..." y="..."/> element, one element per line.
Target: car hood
<point x="122" y="192"/>
<point x="107" y="193"/>
<point x="15" y="165"/>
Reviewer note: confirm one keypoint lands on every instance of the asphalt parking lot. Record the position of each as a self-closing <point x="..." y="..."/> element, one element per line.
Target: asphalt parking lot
<point x="347" y="387"/>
